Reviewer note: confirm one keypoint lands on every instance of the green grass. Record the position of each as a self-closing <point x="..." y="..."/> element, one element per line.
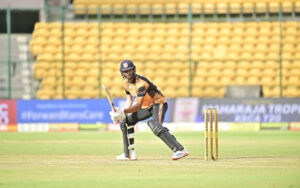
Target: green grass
<point x="87" y="159"/>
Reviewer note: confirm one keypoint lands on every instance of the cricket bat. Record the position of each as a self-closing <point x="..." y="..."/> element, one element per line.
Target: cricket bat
<point x="110" y="98"/>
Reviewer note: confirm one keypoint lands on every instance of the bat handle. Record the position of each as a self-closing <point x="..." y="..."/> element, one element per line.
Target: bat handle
<point x="114" y="109"/>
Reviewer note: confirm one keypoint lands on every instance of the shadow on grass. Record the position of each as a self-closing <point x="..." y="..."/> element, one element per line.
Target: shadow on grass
<point x="190" y="158"/>
<point x="249" y="157"/>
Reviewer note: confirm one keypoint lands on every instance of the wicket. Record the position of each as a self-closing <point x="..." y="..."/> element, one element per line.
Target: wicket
<point x="211" y="113"/>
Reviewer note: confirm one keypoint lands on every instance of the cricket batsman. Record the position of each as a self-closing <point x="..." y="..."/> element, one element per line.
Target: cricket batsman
<point x="149" y="103"/>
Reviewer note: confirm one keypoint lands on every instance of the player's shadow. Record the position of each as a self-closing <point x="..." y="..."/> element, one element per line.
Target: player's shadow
<point x="231" y="158"/>
<point x="248" y="157"/>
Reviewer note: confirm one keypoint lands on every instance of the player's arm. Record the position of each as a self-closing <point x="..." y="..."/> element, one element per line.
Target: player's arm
<point x="136" y="106"/>
<point x="139" y="101"/>
<point x="129" y="101"/>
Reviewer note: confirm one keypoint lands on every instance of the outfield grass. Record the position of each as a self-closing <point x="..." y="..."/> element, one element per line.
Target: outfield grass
<point x="87" y="159"/>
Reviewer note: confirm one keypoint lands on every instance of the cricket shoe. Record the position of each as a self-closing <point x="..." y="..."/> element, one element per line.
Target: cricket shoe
<point x="132" y="157"/>
<point x="180" y="154"/>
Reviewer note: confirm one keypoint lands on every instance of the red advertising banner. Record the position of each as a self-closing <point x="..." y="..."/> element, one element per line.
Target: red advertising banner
<point x="8" y="112"/>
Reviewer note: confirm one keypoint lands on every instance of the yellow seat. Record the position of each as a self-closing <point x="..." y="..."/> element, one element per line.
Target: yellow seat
<point x="271" y="92"/>
<point x="197" y="92"/>
<point x="70" y="65"/>
<point x="248" y="7"/>
<point x="238" y="31"/>
<point x="209" y="7"/>
<point x="291" y="92"/>
<point x="270" y="72"/>
<point x="131" y="8"/>
<point x="222" y="7"/>
<point x="182" y="92"/>
<point x="172" y="81"/>
<point x="221" y="92"/>
<point x="72" y="57"/>
<point x="80" y="8"/>
<point x="272" y="64"/>
<point x="170" y="92"/>
<point x="235" y="7"/>
<point x="157" y="8"/>
<point x="92" y="81"/>
<point x="297" y="6"/>
<point x="184" y="82"/>
<point x="78" y="82"/>
<point x="40" y="25"/>
<point x="212" y="81"/>
<point x="259" y="55"/>
<point x="90" y="93"/>
<point x="50" y="48"/>
<point x="118" y="92"/>
<point x="240" y="80"/>
<point x="253" y="80"/>
<point x="49" y="82"/>
<point x="170" y="8"/>
<point x="118" y="8"/>
<point x="72" y="93"/>
<point x="144" y="8"/>
<point x="196" y="8"/>
<point x="293" y="80"/>
<point x="39" y="72"/>
<point x="228" y="72"/>
<point x="183" y="8"/>
<point x="261" y="7"/>
<point x="45" y="94"/>
<point x="274" y="6"/>
<point x="40" y="40"/>
<point x="287" y="6"/>
<point x="225" y="81"/>
<point x="83" y="73"/>
<point x="45" y="57"/>
<point x="41" y="32"/>
<point x="210" y="92"/>
<point x="270" y="81"/>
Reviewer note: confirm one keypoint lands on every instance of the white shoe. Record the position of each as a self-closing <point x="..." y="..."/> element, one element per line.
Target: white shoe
<point x="122" y="157"/>
<point x="180" y="154"/>
<point x="132" y="157"/>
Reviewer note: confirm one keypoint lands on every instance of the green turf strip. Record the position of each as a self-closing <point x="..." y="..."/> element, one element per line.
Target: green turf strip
<point x="87" y="159"/>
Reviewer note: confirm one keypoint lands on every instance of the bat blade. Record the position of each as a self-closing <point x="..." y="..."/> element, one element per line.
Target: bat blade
<point x="109" y="97"/>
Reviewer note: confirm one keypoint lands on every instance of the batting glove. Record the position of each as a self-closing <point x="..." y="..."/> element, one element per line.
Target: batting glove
<point x="117" y="115"/>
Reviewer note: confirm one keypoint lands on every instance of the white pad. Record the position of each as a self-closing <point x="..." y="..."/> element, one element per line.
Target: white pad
<point x="131" y="147"/>
<point x="131" y="135"/>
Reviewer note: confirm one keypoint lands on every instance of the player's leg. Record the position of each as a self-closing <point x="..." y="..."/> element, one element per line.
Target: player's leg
<point x="128" y="132"/>
<point x="130" y="136"/>
<point x="125" y="155"/>
<point x="132" y="119"/>
<point x="163" y="133"/>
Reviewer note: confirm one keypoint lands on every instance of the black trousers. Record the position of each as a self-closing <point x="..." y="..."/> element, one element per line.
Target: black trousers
<point x="157" y="112"/>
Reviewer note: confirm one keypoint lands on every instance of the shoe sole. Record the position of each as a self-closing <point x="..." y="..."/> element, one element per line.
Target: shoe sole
<point x="186" y="154"/>
<point x="128" y="159"/>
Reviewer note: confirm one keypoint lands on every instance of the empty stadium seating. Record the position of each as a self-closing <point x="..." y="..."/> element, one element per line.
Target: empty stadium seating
<point x="222" y="54"/>
<point x="182" y="7"/>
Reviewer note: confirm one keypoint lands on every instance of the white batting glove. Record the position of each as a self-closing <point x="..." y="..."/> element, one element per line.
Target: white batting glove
<point x="117" y="115"/>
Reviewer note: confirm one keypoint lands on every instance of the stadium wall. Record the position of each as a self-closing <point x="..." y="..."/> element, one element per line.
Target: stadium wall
<point x="183" y="114"/>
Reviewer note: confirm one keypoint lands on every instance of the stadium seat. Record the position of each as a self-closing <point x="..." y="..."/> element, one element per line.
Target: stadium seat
<point x="45" y="94"/>
<point x="237" y="49"/>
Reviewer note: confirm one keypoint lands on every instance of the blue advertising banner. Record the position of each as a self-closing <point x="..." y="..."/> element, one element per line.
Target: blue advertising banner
<point x="63" y="111"/>
<point x="67" y="111"/>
